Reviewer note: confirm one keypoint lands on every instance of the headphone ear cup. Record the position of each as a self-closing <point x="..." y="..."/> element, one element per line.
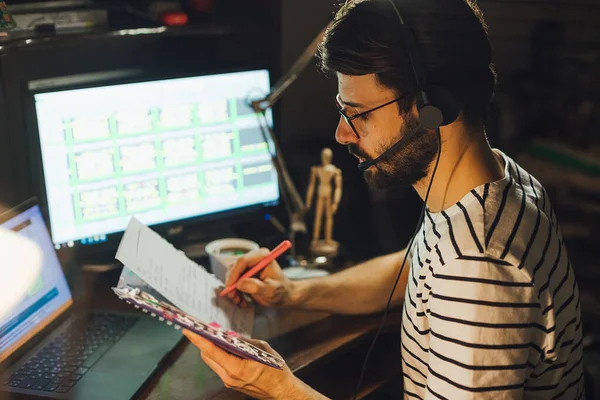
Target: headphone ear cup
<point x="430" y="116"/>
<point x="445" y="101"/>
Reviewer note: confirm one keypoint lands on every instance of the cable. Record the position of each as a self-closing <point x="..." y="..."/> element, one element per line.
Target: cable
<point x="421" y="218"/>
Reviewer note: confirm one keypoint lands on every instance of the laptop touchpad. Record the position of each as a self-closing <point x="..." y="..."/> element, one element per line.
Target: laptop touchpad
<point x="127" y="365"/>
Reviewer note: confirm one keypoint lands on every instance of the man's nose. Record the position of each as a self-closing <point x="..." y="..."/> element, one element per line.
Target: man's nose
<point x="344" y="134"/>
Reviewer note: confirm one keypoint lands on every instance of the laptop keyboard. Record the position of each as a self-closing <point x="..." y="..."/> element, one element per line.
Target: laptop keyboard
<point x="68" y="357"/>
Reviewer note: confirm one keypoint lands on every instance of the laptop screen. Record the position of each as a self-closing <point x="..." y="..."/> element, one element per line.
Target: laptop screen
<point x="47" y="298"/>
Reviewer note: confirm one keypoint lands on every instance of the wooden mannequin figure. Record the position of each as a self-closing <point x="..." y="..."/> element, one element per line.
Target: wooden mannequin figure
<point x="325" y="176"/>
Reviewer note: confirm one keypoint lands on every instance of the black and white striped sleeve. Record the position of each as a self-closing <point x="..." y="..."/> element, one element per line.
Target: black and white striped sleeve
<point x="483" y="319"/>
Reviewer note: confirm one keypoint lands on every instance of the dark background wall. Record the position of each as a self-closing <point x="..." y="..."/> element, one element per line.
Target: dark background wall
<point x="512" y="23"/>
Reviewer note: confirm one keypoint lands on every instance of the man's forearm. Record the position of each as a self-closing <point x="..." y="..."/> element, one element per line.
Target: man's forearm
<point x="362" y="289"/>
<point x="301" y="391"/>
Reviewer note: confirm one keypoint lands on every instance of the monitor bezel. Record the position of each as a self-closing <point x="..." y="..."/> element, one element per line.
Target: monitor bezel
<point x="38" y="182"/>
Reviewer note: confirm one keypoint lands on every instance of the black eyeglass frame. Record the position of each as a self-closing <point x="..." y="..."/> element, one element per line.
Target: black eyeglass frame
<point x="349" y="119"/>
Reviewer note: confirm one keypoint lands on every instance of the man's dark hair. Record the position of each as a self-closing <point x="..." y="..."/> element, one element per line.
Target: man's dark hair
<point x="451" y="35"/>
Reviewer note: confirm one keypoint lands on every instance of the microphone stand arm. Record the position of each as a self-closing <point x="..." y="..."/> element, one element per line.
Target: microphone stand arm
<point x="295" y="207"/>
<point x="290" y="77"/>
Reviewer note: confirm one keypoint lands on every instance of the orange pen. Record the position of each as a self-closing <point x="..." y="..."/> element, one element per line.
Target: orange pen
<point x="276" y="252"/>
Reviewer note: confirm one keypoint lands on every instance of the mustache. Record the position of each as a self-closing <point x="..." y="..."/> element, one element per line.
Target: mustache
<point x="357" y="152"/>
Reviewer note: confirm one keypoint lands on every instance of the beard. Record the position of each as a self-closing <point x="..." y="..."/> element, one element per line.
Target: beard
<point x="408" y="164"/>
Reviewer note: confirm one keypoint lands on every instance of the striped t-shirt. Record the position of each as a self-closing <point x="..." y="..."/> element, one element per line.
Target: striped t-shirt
<point x="491" y="309"/>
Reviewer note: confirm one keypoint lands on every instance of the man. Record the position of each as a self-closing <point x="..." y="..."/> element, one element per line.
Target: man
<point x="491" y="305"/>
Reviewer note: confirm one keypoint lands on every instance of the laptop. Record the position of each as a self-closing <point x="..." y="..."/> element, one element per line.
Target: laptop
<point x="49" y="350"/>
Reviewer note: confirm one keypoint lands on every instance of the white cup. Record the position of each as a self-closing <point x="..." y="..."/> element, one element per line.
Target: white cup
<point x="223" y="253"/>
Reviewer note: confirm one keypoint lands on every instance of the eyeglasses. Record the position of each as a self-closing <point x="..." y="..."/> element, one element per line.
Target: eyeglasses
<point x="349" y="119"/>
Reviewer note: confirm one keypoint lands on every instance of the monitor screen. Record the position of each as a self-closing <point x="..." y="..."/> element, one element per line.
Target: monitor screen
<point x="48" y="297"/>
<point x="162" y="150"/>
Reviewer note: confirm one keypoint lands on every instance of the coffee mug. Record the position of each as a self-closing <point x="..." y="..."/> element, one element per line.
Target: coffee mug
<point x="223" y="253"/>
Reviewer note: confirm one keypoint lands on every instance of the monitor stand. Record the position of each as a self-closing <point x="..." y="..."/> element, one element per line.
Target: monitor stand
<point x="98" y="262"/>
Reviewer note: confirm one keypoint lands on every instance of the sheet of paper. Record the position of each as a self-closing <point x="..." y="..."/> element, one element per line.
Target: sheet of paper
<point x="183" y="282"/>
<point x="129" y="279"/>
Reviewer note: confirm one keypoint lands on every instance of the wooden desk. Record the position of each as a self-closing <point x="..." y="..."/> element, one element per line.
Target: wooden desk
<point x="327" y="355"/>
<point x="325" y="351"/>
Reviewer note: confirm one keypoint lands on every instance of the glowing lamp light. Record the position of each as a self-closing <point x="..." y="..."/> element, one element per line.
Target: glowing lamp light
<point x="20" y="265"/>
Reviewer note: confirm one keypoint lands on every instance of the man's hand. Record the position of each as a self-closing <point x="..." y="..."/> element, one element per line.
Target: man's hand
<point x="248" y="376"/>
<point x="271" y="288"/>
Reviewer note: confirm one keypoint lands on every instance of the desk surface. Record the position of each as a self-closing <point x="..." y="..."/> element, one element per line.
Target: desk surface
<point x="310" y="343"/>
<point x="307" y="350"/>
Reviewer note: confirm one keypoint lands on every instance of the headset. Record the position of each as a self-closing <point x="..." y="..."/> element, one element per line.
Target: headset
<point x="436" y="107"/>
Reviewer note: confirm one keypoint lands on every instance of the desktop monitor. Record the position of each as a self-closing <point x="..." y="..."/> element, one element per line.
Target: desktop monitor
<point x="166" y="151"/>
